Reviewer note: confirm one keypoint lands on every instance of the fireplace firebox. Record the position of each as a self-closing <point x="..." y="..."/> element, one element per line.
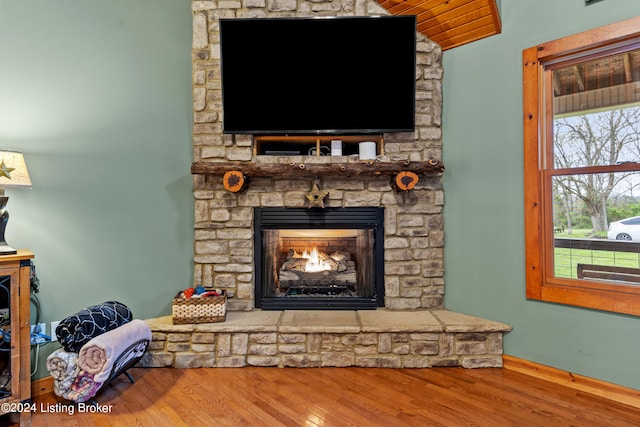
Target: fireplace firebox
<point x="324" y="259"/>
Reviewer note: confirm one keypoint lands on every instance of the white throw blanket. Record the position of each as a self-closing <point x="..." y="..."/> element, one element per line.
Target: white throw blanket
<point x="98" y="355"/>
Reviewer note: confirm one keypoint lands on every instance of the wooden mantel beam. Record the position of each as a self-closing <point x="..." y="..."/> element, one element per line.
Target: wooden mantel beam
<point x="296" y="169"/>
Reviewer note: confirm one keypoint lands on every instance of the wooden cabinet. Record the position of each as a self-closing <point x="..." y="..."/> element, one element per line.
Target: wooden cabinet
<point x="15" y="346"/>
<point x="312" y="145"/>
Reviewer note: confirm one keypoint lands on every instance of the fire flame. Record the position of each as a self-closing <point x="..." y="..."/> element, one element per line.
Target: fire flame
<point x="314" y="263"/>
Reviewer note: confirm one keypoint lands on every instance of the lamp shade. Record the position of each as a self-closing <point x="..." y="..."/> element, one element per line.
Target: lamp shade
<point x="13" y="170"/>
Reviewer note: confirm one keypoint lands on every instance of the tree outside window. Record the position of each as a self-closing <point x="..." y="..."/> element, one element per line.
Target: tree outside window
<point x="582" y="169"/>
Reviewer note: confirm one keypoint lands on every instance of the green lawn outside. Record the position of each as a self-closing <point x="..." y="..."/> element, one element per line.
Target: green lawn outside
<point x="579" y="233"/>
<point x="566" y="260"/>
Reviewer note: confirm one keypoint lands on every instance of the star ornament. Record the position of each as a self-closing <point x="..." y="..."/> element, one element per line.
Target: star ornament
<point x="5" y="171"/>
<point x="316" y="197"/>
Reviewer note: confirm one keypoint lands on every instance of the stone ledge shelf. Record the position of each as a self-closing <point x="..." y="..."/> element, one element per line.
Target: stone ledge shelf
<point x="309" y="338"/>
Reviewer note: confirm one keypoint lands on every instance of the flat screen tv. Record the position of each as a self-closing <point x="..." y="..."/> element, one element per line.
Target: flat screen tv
<point x="314" y="76"/>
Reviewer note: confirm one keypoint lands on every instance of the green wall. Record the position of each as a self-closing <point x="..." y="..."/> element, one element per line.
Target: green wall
<point x="98" y="96"/>
<point x="484" y="250"/>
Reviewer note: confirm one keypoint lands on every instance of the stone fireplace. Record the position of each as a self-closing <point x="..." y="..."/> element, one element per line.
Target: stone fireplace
<point x="405" y="324"/>
<point x="225" y="248"/>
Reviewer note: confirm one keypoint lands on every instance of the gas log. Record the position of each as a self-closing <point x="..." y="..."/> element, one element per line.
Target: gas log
<point x="338" y="270"/>
<point x="337" y="261"/>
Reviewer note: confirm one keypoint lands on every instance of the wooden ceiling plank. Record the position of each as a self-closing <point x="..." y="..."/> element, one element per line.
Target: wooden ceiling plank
<point x="462" y="39"/>
<point x="495" y="14"/>
<point x="387" y="4"/>
<point x="459" y="11"/>
<point x="449" y="7"/>
<point x="440" y="18"/>
<point x="626" y="60"/>
<point x="557" y="87"/>
<point x="434" y="27"/>
<point x="463" y="29"/>
<point x="425" y="9"/>
<point x="579" y="77"/>
<point x="414" y="7"/>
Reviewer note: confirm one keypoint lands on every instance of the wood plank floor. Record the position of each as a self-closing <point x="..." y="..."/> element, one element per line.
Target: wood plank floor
<point x="335" y="397"/>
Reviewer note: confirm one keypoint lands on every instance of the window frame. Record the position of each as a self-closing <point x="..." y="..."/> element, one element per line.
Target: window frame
<point x="541" y="284"/>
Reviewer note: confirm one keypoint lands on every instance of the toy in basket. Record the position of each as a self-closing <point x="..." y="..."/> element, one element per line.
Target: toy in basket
<point x="198" y="305"/>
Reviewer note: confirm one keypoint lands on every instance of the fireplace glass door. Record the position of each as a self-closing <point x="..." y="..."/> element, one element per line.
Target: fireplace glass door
<point x="319" y="259"/>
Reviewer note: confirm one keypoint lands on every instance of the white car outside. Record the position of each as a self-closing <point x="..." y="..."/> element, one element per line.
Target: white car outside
<point x="625" y="229"/>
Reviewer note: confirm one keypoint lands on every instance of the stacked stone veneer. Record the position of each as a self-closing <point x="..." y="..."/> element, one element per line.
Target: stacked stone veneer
<point x="302" y="339"/>
<point x="224" y="221"/>
<point x="413" y="330"/>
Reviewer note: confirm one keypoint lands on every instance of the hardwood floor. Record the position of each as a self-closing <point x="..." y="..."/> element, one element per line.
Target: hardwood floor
<point x="334" y="397"/>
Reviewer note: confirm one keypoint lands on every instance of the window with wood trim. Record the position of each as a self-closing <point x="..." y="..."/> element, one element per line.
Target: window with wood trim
<point x="582" y="169"/>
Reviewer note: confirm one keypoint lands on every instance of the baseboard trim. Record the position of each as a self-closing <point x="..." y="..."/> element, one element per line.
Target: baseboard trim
<point x="614" y="392"/>
<point x="41" y="386"/>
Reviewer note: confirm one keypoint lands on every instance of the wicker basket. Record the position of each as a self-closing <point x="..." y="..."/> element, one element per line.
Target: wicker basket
<point x="199" y="310"/>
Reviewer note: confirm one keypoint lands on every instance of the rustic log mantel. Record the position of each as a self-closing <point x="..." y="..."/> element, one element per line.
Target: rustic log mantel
<point x="296" y="169"/>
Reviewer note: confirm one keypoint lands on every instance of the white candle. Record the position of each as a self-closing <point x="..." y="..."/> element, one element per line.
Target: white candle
<point x="336" y="147"/>
<point x="367" y="150"/>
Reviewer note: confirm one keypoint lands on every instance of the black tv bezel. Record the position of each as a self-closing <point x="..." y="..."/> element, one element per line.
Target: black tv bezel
<point x="320" y="132"/>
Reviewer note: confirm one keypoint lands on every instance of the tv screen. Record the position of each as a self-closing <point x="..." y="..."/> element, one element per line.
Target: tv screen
<point x="341" y="75"/>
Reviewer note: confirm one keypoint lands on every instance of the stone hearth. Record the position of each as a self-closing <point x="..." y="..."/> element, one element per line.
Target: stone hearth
<point x="371" y="338"/>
